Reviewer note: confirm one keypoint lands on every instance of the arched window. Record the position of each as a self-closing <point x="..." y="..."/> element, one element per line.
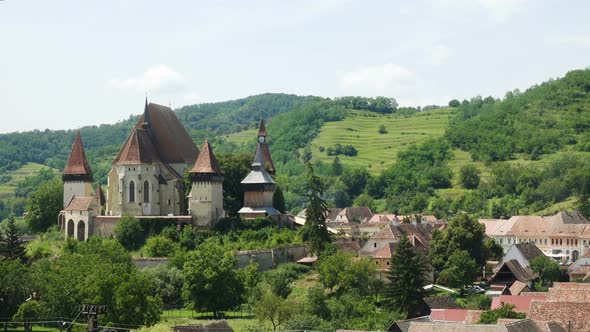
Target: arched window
<point x="146" y="192"/>
<point x="81" y="229"/>
<point x="131" y="191"/>
<point x="70" y="228"/>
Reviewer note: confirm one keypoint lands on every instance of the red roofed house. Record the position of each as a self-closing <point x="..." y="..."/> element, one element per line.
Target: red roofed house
<point x="455" y="315"/>
<point x="522" y="303"/>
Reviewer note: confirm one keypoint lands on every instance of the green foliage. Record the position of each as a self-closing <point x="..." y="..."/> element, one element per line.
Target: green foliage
<point x="315" y="303"/>
<point x="235" y="167"/>
<point x="463" y="234"/>
<point x="30" y="310"/>
<point x="15" y="286"/>
<point x="273" y="308"/>
<point x="382" y="129"/>
<point x="539" y="121"/>
<point x="278" y="200"/>
<point x="492" y="250"/>
<point x="454" y="103"/>
<point x="129" y="233"/>
<point x="44" y="204"/>
<point x="11" y="246"/>
<point x="460" y="270"/>
<point x="469" y="176"/>
<point x="337" y="167"/>
<point x="168" y="283"/>
<point x="478" y="302"/>
<point x="98" y="271"/>
<point x="505" y="311"/>
<point x="211" y="283"/>
<point x="159" y="246"/>
<point x="377" y="104"/>
<point x="547" y="268"/>
<point x="407" y="275"/>
<point x="315" y="230"/>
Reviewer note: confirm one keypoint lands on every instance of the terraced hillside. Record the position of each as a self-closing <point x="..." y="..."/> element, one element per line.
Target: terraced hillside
<point x="16" y="176"/>
<point x="375" y="150"/>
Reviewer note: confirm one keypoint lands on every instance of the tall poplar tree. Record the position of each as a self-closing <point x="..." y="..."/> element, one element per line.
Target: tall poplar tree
<point x="315" y="230"/>
<point x="407" y="277"/>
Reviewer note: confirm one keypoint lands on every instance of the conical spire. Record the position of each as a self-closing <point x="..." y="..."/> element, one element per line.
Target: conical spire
<point x="261" y="128"/>
<point x="77" y="165"/>
<point x="206" y="162"/>
<point x="146" y="115"/>
<point x="258" y="157"/>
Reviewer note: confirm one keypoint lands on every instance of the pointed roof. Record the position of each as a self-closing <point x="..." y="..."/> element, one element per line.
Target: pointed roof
<point x="206" y="162"/>
<point x="138" y="149"/>
<point x="158" y="135"/>
<point x="261" y="128"/>
<point x="258" y="158"/>
<point x="77" y="163"/>
<point x="264" y="150"/>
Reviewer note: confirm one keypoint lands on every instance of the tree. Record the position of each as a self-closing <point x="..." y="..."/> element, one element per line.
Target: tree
<point x="280" y="283"/>
<point x="134" y="303"/>
<point x="278" y="200"/>
<point x="168" y="283"/>
<point x="15" y="284"/>
<point x="211" y="283"/>
<point x="29" y="311"/>
<point x="407" y="276"/>
<point x="271" y="307"/>
<point x="460" y="270"/>
<point x="463" y="233"/>
<point x="11" y="245"/>
<point x="505" y="311"/>
<point x="336" y="167"/>
<point x="129" y="233"/>
<point x="159" y="246"/>
<point x="330" y="268"/>
<point x="469" y="176"/>
<point x="382" y="129"/>
<point x="492" y="250"/>
<point x="44" y="204"/>
<point x="547" y="268"/>
<point x="235" y="167"/>
<point x="315" y="230"/>
<point x="316" y="302"/>
<point x="454" y="103"/>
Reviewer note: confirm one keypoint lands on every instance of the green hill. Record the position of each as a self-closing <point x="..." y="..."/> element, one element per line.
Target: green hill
<point x="377" y="150"/>
<point x="14" y="177"/>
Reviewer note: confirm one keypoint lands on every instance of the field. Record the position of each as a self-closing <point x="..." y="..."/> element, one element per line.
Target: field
<point x="376" y="151"/>
<point x="242" y="136"/>
<point x="16" y="176"/>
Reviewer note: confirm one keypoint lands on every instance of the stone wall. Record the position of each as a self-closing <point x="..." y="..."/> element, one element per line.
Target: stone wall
<point x="150" y="262"/>
<point x="270" y="258"/>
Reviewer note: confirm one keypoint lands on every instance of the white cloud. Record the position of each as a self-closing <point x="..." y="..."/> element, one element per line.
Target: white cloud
<point x="501" y="10"/>
<point x="154" y="79"/>
<point x="191" y="98"/>
<point x="377" y="79"/>
<point x="438" y="55"/>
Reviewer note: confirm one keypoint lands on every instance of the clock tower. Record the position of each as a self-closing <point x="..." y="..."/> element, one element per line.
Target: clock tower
<point x="263" y="147"/>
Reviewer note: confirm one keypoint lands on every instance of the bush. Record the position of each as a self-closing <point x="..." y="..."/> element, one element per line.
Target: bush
<point x="130" y="233"/>
<point x="159" y="246"/>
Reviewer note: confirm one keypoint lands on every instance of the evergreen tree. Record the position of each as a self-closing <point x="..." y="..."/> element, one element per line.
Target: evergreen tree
<point x="336" y="167"/>
<point x="11" y="245"/>
<point x="407" y="275"/>
<point x="278" y="200"/>
<point x="315" y="230"/>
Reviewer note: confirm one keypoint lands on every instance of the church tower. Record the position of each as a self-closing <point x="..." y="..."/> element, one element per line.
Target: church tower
<point x="206" y="195"/>
<point x="263" y="147"/>
<point x="258" y="190"/>
<point x="77" y="176"/>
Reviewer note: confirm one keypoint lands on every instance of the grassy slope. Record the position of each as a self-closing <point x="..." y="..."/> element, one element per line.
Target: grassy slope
<point x="377" y="151"/>
<point x="29" y="169"/>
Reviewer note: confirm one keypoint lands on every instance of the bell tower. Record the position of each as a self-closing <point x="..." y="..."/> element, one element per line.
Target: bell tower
<point x="206" y="195"/>
<point x="77" y="176"/>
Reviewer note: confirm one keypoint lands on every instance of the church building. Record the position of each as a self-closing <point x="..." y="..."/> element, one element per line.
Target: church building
<point x="147" y="180"/>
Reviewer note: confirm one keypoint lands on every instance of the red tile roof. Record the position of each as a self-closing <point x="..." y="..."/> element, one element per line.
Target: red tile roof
<point x="138" y="149"/>
<point x="77" y="163"/>
<point x="206" y="162"/>
<point x="522" y="303"/>
<point x="455" y="315"/>
<point x="79" y="204"/>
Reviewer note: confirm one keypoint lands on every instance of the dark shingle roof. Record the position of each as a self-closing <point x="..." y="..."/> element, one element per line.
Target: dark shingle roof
<point x="441" y="302"/>
<point x="529" y="250"/>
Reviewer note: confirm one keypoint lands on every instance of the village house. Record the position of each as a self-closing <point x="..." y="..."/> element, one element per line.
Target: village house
<point x="564" y="236"/>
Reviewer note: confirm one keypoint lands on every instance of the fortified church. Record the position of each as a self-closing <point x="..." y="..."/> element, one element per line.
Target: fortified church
<point x="146" y="180"/>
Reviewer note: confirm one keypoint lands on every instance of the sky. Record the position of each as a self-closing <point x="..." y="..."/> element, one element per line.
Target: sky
<point x="68" y="64"/>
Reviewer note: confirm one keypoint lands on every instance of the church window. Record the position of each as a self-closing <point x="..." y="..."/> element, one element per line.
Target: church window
<point x="168" y="202"/>
<point x="131" y="191"/>
<point x="146" y="192"/>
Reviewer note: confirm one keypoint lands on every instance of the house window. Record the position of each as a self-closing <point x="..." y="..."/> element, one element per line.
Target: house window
<point x="375" y="245"/>
<point x="131" y="191"/>
<point x="146" y="192"/>
<point x="560" y="242"/>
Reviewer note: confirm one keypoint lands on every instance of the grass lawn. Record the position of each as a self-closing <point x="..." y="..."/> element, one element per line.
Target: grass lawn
<point x="29" y="169"/>
<point x="376" y="151"/>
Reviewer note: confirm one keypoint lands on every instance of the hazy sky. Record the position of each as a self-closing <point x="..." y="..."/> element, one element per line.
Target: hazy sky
<point x="66" y="64"/>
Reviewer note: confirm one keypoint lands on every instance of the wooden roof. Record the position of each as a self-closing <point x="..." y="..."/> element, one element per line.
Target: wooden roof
<point x="261" y="128"/>
<point x="77" y="163"/>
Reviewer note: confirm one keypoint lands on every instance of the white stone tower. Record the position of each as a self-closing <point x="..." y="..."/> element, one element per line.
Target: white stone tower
<point x="206" y="195"/>
<point x="77" y="176"/>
